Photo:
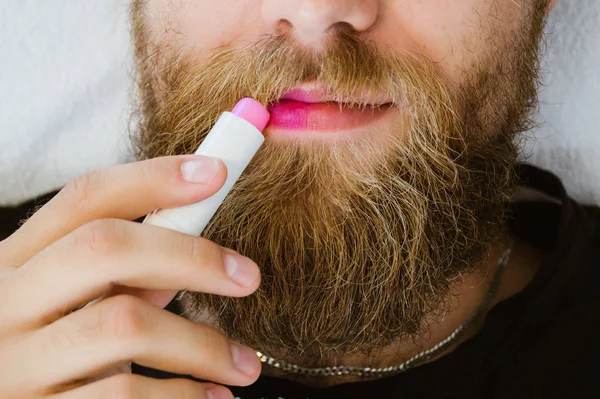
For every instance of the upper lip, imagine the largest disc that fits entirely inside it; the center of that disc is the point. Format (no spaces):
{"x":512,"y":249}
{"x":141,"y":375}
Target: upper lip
{"x":315,"y":93}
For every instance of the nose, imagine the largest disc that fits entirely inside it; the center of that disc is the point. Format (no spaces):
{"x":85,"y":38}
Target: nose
{"x":310,"y":21}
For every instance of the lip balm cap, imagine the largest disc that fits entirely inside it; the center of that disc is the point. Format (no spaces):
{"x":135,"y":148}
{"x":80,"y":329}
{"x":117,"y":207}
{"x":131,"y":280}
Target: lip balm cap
{"x":252,"y":111}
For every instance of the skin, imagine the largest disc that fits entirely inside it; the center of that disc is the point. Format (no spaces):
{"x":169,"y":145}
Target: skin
{"x":45,"y":347}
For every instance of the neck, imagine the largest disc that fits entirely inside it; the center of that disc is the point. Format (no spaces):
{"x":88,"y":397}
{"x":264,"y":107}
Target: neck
{"x":467,"y":293}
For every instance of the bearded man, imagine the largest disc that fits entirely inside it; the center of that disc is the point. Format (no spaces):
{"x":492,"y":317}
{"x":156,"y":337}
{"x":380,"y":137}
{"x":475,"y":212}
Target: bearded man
{"x":385,"y":240}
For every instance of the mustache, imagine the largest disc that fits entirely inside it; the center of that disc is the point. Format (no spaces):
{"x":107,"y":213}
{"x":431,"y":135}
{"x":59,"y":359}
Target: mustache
{"x":347,"y":67}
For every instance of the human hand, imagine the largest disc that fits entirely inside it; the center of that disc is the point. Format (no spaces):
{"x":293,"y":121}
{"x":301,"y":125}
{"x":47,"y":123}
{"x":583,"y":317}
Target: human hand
{"x":82,"y":246}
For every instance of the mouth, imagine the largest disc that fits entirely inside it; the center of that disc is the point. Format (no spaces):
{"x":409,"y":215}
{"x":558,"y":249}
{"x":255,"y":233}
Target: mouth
{"x":309,"y":111}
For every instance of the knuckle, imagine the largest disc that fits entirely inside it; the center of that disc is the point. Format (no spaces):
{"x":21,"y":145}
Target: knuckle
{"x":102,"y":236}
{"x":202,"y":252}
{"x":123,"y":317}
{"x":79,"y":190}
{"x":122,"y":386}
{"x":212,"y":343}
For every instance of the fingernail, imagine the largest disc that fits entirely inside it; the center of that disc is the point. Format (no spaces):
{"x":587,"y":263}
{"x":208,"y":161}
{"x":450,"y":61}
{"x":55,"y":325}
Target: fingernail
{"x":245,"y":359}
{"x":240,"y":269}
{"x":200,"y":170}
{"x":218,"y":393}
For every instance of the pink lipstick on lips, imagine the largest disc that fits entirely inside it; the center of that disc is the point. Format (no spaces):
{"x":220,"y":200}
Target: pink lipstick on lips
{"x":309,"y":108}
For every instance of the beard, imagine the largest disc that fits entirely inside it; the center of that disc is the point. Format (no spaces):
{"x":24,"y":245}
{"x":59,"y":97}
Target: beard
{"x":358,"y":240}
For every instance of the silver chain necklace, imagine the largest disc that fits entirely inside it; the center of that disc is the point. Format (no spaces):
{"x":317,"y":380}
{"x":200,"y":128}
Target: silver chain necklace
{"x":420,"y":358}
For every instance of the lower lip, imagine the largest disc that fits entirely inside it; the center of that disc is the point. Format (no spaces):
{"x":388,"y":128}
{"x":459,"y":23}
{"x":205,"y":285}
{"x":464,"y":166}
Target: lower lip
{"x":298,"y":116}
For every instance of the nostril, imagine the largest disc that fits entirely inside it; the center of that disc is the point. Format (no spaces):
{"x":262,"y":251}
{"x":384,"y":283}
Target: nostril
{"x":342,"y":28}
{"x":312,"y":21}
{"x":283,"y":27}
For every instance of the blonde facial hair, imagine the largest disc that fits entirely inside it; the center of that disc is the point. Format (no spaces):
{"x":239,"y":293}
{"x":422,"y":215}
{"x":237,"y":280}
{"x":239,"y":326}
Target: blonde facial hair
{"x":358,"y":239}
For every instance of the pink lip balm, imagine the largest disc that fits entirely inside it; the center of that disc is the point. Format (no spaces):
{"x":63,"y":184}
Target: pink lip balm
{"x":252,"y":111}
{"x":235,"y":139}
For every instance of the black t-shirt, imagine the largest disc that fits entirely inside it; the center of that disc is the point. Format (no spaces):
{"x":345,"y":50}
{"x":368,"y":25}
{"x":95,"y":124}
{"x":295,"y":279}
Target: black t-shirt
{"x":541,"y":343}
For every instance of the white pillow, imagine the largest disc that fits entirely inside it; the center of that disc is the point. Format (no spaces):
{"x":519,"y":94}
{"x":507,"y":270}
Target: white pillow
{"x":64,"y":87}
{"x":568,"y":143}
{"x":63,"y":92}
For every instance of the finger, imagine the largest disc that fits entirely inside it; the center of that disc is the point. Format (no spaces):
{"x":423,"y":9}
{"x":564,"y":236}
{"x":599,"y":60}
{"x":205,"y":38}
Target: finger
{"x":88,"y":262}
{"x":162,"y":298}
{"x":138,"y":387}
{"x":120,"y":329}
{"x":125,"y":191}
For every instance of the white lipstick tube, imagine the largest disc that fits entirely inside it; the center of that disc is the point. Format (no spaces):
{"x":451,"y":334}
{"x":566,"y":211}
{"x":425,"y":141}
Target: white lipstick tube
{"x":235,"y":141}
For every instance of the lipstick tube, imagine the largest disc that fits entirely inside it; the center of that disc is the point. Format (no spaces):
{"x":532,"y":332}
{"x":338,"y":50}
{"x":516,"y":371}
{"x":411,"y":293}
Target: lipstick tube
{"x":235,"y":139}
